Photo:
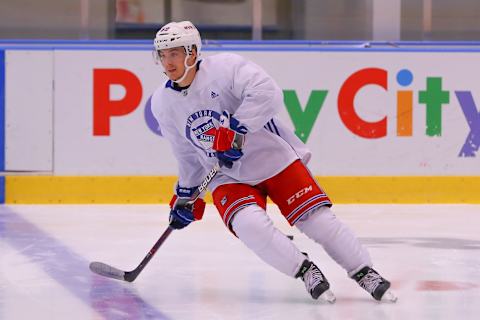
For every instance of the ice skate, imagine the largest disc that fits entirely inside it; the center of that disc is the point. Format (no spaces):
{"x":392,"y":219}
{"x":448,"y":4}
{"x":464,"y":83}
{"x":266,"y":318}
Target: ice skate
{"x":375,"y":284}
{"x":315,"y":282}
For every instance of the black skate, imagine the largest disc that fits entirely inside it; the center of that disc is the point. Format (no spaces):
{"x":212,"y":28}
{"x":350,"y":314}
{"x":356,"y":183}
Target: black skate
{"x":375,"y":284}
{"x":315,"y":282}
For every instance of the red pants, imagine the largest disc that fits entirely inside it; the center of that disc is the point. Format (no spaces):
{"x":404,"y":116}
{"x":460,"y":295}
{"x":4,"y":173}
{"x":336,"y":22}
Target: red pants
{"x":294,"y":190}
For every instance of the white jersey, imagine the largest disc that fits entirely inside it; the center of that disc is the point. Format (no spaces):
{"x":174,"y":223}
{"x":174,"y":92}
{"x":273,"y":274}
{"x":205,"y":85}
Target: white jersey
{"x":188,"y":118}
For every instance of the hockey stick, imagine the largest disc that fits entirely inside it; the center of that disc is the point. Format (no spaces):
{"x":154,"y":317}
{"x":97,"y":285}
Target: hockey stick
{"x":106,"y":270}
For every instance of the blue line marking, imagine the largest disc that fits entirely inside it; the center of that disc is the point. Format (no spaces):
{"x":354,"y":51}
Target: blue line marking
{"x":110,"y":298}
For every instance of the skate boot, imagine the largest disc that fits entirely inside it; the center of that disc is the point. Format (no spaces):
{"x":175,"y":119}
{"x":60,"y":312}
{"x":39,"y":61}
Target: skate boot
{"x":315,"y":282}
{"x":375,"y":284}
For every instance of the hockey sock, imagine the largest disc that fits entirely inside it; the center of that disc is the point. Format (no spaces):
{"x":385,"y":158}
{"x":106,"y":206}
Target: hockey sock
{"x":256,"y":230}
{"x":337,"y":239}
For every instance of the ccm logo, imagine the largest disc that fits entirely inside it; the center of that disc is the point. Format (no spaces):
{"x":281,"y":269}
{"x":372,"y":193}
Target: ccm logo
{"x":299,"y":194}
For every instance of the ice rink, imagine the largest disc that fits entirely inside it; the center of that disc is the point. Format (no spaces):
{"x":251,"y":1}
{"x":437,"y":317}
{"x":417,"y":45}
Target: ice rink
{"x":431,"y":253}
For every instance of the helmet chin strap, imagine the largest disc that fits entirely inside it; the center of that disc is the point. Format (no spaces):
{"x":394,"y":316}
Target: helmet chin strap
{"x":187,"y":68}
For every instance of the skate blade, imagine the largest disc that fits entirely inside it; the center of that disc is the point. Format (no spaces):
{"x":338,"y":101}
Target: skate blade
{"x":328,"y":296}
{"x":389,"y":297}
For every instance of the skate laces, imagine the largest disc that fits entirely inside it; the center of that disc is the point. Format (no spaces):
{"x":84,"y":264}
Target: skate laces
{"x":370,"y":281}
{"x":312,"y":277}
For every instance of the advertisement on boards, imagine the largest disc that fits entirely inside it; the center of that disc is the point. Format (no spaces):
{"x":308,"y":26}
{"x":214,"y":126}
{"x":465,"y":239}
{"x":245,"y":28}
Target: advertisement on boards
{"x":361,"y":113}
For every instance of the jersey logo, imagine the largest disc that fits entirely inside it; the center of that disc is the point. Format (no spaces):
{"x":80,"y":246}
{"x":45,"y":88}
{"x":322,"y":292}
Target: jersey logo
{"x":213,"y":95}
{"x":205,"y":133}
{"x":224,"y":200}
{"x":201,"y":128}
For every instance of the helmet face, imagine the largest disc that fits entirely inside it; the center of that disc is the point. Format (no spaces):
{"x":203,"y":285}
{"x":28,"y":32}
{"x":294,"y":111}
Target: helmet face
{"x":178,"y":34}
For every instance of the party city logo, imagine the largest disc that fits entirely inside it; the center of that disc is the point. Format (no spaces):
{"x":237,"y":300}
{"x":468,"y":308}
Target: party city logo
{"x":433,"y":96}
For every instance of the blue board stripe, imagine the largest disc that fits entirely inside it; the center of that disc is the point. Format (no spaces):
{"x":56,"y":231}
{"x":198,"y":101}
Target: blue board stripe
{"x":2,"y":190}
{"x":2,"y":124}
{"x":251,"y":45}
{"x":207,"y":42}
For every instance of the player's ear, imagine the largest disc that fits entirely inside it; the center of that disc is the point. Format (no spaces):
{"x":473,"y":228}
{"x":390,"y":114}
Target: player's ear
{"x":194,"y":51}
{"x":193,"y":58}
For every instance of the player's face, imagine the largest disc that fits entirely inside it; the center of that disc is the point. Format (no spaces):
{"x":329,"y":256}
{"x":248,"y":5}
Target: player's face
{"x":173,"y":61}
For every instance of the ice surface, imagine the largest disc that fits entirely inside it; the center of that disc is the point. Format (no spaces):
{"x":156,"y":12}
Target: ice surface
{"x":430,"y":253}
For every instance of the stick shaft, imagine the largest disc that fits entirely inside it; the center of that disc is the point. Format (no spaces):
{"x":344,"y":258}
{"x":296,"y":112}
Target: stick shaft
{"x":112,"y":272}
{"x":132,"y":275}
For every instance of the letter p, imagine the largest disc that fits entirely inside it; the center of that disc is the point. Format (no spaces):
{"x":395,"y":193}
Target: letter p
{"x":103,"y":107}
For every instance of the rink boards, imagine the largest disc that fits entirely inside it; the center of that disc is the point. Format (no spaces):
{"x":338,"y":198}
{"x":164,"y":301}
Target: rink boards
{"x":385,"y":124}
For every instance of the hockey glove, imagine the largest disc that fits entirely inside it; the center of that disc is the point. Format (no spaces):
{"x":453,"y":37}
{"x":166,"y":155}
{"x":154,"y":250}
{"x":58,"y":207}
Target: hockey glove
{"x":182,"y":215}
{"x":229,"y":140}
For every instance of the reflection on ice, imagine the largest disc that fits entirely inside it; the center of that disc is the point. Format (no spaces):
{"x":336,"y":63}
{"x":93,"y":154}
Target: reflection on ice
{"x":110,"y":299}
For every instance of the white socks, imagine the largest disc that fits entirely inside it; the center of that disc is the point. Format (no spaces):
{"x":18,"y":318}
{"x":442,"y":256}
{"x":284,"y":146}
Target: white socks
{"x":255,"y":229}
{"x":336,"y":238}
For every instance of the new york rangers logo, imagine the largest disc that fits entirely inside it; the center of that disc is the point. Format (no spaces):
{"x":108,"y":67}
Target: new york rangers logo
{"x":205,"y":133}
{"x":200,"y":130}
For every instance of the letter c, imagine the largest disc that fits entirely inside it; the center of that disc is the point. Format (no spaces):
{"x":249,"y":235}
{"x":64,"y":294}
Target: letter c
{"x":346,"y":108}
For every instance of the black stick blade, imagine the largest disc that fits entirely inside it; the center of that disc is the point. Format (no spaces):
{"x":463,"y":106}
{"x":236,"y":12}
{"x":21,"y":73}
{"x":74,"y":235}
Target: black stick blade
{"x":107,"y":271}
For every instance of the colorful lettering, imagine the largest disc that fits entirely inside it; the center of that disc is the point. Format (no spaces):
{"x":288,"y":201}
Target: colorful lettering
{"x":433,"y":98}
{"x":472,"y":143}
{"x":303,"y":120}
{"x":103,"y":107}
{"x":404,"y":104}
{"x":346,"y":107}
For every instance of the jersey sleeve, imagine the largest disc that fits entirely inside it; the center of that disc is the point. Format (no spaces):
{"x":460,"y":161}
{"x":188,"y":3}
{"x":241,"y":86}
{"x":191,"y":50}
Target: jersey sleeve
{"x":261,"y":97}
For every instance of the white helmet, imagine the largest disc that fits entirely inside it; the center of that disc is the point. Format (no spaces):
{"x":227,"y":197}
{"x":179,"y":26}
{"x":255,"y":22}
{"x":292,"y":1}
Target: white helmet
{"x":178,"y":34}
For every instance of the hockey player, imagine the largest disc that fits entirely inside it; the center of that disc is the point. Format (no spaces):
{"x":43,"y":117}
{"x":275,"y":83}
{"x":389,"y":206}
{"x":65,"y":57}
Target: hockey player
{"x":224,"y":109}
